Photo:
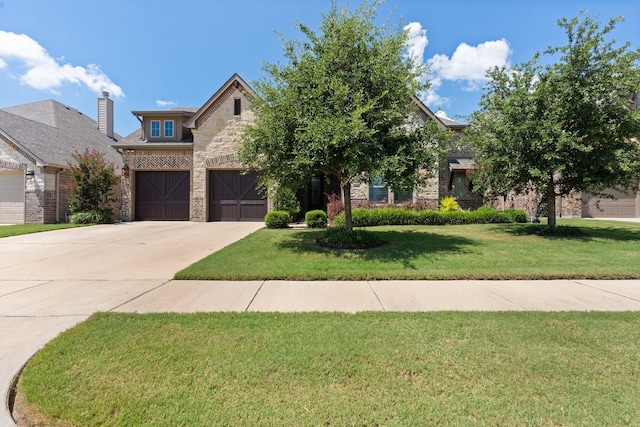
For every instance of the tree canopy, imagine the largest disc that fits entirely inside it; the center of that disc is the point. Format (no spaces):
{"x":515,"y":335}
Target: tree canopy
{"x":341,"y":105}
{"x":565,"y":126}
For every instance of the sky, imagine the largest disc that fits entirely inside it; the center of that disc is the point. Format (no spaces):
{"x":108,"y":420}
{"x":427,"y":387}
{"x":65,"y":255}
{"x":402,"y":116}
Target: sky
{"x":161,"y":54}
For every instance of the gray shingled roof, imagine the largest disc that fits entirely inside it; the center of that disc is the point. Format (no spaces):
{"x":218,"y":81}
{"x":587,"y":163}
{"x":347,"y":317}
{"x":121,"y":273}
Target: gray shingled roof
{"x":50,"y":132}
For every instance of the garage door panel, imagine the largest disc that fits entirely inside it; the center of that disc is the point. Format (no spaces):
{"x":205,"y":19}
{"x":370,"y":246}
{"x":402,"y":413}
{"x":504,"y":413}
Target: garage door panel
{"x":622,"y":205}
{"x":12,"y":198}
{"x":233,"y":197}
{"x":162,"y":195}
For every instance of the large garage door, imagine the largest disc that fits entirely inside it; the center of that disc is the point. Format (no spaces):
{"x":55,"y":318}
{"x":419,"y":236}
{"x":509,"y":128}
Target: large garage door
{"x":623,"y":205}
{"x":12,"y":197}
{"x":233,"y":197}
{"x":162,"y":196}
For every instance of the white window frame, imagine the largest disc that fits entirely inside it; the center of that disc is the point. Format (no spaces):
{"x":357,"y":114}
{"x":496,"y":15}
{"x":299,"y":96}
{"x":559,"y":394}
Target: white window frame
{"x":165,"y":129}
{"x":154,"y":135}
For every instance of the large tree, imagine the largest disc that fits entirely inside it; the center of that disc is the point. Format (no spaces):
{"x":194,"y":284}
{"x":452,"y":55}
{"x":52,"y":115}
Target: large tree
{"x":341,"y":105}
{"x":564,"y":126}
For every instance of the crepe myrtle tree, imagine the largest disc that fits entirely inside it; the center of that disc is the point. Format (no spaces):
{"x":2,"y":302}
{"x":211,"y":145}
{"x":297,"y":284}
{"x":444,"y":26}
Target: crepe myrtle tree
{"x":92,"y":181}
{"x":562,"y":127}
{"x":342,"y":105}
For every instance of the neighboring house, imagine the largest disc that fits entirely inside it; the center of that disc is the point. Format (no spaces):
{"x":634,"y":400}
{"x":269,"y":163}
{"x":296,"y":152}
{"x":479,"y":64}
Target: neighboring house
{"x":182,"y":165}
{"x":37,"y":143}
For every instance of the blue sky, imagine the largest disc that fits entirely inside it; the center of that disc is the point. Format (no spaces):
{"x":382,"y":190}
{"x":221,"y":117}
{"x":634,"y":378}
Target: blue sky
{"x":162,"y":54}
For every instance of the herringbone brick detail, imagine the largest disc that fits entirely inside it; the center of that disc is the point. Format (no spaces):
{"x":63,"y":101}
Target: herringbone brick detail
{"x":228,"y":161}
{"x":160,"y":160}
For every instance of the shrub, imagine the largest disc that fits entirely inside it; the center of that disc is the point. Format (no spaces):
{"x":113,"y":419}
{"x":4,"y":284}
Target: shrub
{"x":91,"y":217}
{"x":334,"y":207}
{"x":316,"y":219}
{"x":284,"y":199}
{"x":449,"y":204}
{"x":277,"y":219}
{"x":516,"y":215}
{"x":367,"y":217}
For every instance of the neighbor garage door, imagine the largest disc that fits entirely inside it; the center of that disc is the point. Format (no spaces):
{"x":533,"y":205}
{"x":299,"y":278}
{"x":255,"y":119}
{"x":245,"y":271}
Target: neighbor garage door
{"x":233,"y":197}
{"x":162,"y":196}
{"x":623,"y":205}
{"x":12,"y":197}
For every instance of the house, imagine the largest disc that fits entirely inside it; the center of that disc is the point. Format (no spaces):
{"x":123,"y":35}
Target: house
{"x":182,"y":165}
{"x":37,"y":143}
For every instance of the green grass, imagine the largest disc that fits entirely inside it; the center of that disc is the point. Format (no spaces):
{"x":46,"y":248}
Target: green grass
{"x":18,"y":229}
{"x":601,"y":249}
{"x":311,"y":369}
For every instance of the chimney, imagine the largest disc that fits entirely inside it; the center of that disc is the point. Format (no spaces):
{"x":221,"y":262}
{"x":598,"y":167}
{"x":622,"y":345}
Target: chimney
{"x":105,"y":115}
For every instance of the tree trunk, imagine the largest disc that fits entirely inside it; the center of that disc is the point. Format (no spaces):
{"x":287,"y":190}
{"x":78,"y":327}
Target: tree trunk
{"x":346,"y":197}
{"x":551,"y":203}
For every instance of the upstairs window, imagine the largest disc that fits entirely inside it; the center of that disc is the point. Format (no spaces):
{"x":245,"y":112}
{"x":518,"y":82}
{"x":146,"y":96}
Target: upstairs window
{"x":155,"y":128}
{"x":168,"y":128}
{"x":237,"y":106}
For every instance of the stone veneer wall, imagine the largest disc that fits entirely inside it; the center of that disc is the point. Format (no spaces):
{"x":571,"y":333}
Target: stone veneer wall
{"x":566,"y":207}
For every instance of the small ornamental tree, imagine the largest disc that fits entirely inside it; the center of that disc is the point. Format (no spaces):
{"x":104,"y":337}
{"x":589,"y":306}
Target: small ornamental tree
{"x":342,"y":105}
{"x":92,"y":181}
{"x":563,"y":127}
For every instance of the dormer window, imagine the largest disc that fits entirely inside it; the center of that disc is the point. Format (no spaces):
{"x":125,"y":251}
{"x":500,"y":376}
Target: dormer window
{"x":155,"y":128}
{"x":168,"y":128}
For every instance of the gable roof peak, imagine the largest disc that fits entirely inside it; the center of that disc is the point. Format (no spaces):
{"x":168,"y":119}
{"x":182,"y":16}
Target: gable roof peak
{"x":236,"y":82}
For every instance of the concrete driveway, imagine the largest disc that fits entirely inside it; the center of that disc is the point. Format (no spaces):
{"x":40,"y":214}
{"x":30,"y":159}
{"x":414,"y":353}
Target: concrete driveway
{"x":54,"y":280}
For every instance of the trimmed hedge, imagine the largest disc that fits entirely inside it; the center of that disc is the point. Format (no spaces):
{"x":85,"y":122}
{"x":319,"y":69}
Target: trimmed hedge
{"x":277,"y":219}
{"x":316,"y":219}
{"x":365,"y":217}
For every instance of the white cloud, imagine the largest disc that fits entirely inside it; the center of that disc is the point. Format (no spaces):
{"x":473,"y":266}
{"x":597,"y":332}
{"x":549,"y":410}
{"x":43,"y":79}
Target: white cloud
{"x":442,"y":113}
{"x":161,"y":103}
{"x":46,"y":73}
{"x":469,"y":64}
{"x":416,"y":41}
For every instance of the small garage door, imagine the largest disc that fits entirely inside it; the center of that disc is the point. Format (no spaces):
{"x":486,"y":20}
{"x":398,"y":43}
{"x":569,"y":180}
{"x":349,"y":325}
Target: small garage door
{"x":162,"y":196}
{"x":623,"y":205}
{"x":233,"y":197}
{"x":12,"y":198}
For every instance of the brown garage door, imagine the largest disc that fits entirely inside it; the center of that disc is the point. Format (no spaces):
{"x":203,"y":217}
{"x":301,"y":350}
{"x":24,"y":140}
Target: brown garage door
{"x":162,"y":196}
{"x":233,"y":197}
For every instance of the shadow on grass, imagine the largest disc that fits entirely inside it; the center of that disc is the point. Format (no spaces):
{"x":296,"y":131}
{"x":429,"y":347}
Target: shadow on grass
{"x":402,"y":246}
{"x":574,"y":232}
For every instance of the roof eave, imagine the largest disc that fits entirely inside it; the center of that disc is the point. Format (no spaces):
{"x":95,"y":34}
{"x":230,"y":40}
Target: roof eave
{"x":155,"y":146}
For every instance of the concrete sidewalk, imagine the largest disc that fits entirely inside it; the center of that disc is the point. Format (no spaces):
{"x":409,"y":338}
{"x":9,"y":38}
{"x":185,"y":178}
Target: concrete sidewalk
{"x":464,"y":295}
{"x":51,"y":281}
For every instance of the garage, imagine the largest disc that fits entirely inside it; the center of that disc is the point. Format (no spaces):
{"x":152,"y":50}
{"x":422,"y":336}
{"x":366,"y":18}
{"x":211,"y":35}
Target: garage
{"x":162,"y":196}
{"x":623,"y":205}
{"x":12,"y":197}
{"x":233,"y":197}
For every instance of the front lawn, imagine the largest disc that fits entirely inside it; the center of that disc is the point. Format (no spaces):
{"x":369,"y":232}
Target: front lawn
{"x":600,"y":249}
{"x":18,"y":229}
{"x":312,"y":369}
